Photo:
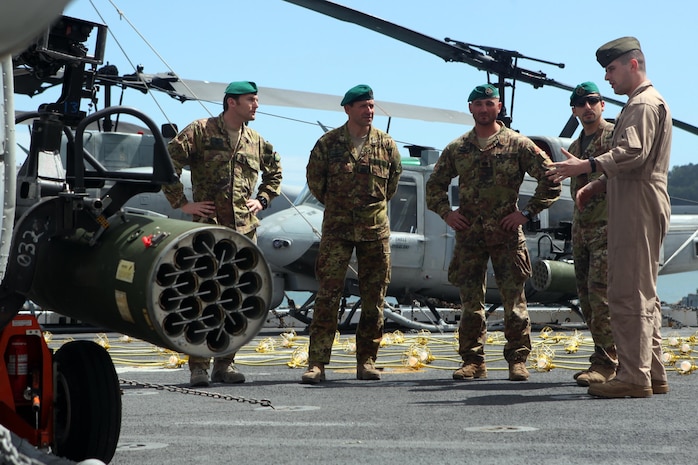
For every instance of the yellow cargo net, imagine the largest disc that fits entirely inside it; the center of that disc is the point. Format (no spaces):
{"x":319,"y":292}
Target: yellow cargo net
{"x":399,"y":352}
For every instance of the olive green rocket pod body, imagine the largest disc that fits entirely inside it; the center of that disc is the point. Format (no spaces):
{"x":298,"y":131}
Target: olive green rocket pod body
{"x":554,"y":276}
{"x":195,"y":288}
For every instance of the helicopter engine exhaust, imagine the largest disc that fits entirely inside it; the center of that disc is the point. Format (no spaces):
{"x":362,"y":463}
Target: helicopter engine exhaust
{"x":195,"y":288}
{"x":554,"y":276}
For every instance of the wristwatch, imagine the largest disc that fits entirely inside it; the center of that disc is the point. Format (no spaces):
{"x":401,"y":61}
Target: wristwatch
{"x":592,"y":163}
{"x":527,"y":214}
{"x":264,"y":202}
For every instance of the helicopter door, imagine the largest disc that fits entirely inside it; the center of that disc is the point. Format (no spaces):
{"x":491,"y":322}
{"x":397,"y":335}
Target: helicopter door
{"x":406,"y":229}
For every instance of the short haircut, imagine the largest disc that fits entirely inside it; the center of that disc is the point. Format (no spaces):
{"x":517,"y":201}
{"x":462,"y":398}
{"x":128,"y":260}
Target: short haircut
{"x":634,"y":54}
{"x":225,"y":100}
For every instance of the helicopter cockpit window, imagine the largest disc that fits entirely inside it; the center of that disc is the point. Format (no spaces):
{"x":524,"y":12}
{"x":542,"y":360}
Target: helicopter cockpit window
{"x":560,"y":212}
{"x":117,"y":151}
{"x":307,"y":198}
{"x":403,"y":207}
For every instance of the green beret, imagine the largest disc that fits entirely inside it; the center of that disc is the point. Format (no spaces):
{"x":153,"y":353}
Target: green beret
{"x":241,"y":88}
{"x":615,"y":48}
{"x":582,"y":90}
{"x":483,"y":91}
{"x":357,"y":94}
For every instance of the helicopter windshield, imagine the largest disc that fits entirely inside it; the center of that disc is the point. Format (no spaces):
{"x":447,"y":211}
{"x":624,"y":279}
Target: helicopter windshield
{"x":307,"y":198}
{"x":403,"y":206}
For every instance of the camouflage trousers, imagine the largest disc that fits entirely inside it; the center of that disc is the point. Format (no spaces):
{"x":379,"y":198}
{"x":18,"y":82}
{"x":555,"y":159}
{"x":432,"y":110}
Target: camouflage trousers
{"x":374,"y":275}
{"x":205,"y":362}
{"x":590,"y":251}
{"x":512,"y":266}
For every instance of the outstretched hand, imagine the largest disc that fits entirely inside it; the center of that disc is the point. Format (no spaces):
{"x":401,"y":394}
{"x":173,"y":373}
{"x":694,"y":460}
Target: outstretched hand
{"x":573,"y":166}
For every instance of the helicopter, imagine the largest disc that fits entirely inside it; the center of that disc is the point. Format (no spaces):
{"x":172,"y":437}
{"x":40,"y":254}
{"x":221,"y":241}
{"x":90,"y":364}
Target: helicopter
{"x":116,"y":148}
{"x":82,"y":215}
{"x":141,"y":271}
{"x":69,"y":245}
{"x":421,"y":243}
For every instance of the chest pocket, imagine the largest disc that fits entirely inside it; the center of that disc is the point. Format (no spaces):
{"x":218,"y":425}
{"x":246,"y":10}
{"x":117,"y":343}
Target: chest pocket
{"x":506,"y":170}
{"x":378,"y":182}
{"x":216,"y":149}
{"x":469,"y":169}
{"x":339,"y":165}
{"x":250,"y":162}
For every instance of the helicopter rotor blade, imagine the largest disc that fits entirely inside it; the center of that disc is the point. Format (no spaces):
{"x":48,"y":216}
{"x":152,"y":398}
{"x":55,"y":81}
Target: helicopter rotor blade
{"x":189,"y":89}
{"x":494,"y":60}
{"x":444,"y":50}
{"x":207,"y":91}
{"x":570,"y":127}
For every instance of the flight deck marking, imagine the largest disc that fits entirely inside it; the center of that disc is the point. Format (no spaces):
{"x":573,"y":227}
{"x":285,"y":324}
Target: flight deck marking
{"x":500,"y":429}
{"x":138,"y":446}
{"x":289,"y":408}
{"x":583,"y":396}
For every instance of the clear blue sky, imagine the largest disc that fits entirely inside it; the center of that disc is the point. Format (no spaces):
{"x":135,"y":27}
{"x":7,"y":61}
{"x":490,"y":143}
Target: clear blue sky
{"x":281,"y":45}
{"x":278,"y":44}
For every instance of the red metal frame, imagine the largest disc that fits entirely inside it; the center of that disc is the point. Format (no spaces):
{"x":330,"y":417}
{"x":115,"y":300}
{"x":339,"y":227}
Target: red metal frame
{"x":31,"y":419}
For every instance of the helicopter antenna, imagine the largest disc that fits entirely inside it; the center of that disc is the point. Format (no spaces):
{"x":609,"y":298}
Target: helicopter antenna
{"x":513,"y":92}
{"x":505,"y":65}
{"x":138,"y":69}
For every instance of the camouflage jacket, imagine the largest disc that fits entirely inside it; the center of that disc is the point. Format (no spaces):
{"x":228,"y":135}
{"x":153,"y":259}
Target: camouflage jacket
{"x":595,"y":213}
{"x":489,"y":181}
{"x":218,"y":174}
{"x":354,"y":187}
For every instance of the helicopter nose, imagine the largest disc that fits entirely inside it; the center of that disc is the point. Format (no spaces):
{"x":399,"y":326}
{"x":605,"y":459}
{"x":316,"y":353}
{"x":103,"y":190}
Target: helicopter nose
{"x":285,"y":237}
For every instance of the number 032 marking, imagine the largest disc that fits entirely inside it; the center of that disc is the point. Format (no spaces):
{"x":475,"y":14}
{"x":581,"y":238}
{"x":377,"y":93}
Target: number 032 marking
{"x":26,"y":250}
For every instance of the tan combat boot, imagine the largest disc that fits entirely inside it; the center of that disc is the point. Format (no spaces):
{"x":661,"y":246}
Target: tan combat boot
{"x":224,"y":371}
{"x":198,"y":377}
{"x":367,"y":371}
{"x":659,"y":386}
{"x":617,"y":389}
{"x":597,"y":373}
{"x":518,"y":371}
{"x":314,"y":374}
{"x":198,"y":367}
{"x":470,"y":370}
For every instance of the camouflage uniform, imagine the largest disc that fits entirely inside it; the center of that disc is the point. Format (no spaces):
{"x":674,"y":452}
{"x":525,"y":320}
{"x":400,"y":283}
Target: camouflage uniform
{"x":590,"y":251}
{"x":226,"y":177}
{"x":489,"y":181}
{"x":219,"y":175}
{"x":355,"y":189}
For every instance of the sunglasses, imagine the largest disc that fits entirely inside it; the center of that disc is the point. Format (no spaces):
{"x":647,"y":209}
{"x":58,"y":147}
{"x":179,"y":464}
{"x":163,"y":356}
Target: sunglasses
{"x":581,"y":103}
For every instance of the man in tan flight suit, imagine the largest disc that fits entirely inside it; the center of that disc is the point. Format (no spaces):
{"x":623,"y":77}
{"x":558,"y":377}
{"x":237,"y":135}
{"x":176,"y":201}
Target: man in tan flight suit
{"x":635,"y":179}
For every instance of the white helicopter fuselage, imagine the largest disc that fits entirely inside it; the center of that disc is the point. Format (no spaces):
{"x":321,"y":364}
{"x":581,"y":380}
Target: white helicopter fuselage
{"x":422,"y":244}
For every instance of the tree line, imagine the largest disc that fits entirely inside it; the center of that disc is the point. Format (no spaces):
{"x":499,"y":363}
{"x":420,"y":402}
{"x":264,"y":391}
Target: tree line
{"x":683,"y":184}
